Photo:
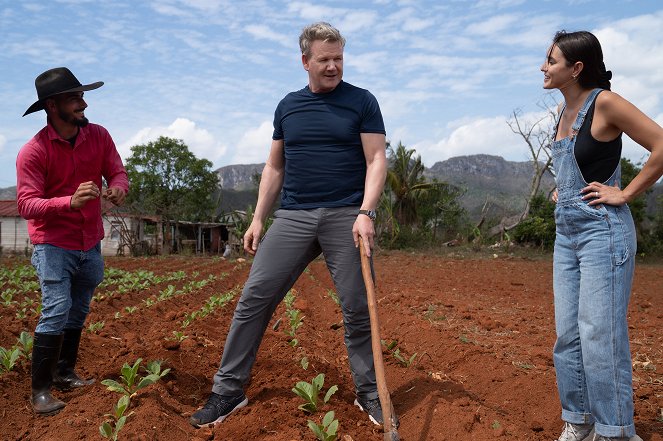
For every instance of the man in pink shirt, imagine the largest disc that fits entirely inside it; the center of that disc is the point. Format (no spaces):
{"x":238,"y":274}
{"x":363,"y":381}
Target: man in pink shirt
{"x":58,"y":190}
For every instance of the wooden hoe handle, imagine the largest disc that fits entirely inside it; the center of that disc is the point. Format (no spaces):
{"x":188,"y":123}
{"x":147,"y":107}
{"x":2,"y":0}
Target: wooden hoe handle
{"x":390,"y":433}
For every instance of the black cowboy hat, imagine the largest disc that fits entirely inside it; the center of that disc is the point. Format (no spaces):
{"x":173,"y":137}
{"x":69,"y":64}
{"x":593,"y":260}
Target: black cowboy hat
{"x":56,"y":81}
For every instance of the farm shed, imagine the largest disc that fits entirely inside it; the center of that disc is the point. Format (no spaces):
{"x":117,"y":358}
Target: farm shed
{"x":14,"y":238}
{"x":13,"y":230}
{"x":200,"y":237}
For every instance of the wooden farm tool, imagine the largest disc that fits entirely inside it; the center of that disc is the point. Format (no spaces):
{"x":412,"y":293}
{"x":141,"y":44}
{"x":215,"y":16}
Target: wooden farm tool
{"x":389,"y":426}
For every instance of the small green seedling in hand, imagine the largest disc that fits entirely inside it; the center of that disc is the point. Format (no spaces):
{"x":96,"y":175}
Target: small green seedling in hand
{"x":310,"y":392}
{"x":327,"y":430}
{"x":110,"y":429}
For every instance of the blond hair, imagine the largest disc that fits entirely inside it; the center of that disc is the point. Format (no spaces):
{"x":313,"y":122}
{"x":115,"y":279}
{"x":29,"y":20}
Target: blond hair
{"x":318,"y":31}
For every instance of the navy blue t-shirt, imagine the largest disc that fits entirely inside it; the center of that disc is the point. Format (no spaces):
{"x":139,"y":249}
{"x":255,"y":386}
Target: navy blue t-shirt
{"x":324,"y":159}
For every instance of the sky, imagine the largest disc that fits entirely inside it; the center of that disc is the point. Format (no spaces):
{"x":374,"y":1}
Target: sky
{"x":448,"y":74}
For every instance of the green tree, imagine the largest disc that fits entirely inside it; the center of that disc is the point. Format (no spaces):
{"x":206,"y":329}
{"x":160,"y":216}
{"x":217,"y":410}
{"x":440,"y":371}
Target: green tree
{"x":407,"y":184}
{"x":538,"y":228}
{"x":440,"y":209}
{"x":638,"y":206}
{"x":412,"y":210}
{"x":169,"y":181}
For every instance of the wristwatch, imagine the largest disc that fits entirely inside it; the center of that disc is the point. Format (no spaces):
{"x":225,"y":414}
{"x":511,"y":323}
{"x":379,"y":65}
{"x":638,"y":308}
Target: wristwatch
{"x":370,"y":213}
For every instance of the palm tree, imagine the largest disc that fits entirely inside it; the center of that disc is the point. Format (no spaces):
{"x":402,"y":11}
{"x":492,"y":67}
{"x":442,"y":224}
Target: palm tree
{"x":407,"y":183}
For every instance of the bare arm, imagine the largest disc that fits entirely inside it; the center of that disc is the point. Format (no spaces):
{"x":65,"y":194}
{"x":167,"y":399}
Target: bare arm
{"x":271,"y":182}
{"x":615,"y":114}
{"x":376,"y":172}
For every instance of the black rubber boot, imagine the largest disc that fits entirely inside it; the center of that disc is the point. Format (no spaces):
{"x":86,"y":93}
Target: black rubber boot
{"x":45,"y":354}
{"x":65,"y":378}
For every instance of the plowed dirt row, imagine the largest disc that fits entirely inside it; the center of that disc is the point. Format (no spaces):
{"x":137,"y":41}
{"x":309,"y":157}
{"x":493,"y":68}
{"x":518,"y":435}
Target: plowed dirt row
{"x":482,"y":330}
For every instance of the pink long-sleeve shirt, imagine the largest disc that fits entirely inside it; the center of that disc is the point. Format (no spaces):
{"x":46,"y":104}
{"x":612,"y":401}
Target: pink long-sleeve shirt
{"x":48,"y":172}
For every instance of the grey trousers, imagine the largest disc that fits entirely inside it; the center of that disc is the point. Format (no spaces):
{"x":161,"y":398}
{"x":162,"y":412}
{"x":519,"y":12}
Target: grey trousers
{"x":295,"y":238}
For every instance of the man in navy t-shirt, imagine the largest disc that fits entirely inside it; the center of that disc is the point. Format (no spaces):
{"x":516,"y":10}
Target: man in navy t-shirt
{"x":328,"y":161}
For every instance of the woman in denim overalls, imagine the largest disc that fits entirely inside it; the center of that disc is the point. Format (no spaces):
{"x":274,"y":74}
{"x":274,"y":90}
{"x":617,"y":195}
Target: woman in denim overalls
{"x":595,"y":244}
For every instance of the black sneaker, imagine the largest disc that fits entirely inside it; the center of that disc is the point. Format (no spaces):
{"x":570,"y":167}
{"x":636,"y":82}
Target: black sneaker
{"x":374,"y":410}
{"x":217,"y":408}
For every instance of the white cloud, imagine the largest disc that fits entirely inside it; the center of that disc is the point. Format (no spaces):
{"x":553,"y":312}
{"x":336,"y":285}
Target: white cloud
{"x":200,"y":142}
{"x":497,"y":24}
{"x":3,"y":141}
{"x":633,"y":50}
{"x":265,"y":33}
{"x":253,"y":147}
{"x":490,"y":136}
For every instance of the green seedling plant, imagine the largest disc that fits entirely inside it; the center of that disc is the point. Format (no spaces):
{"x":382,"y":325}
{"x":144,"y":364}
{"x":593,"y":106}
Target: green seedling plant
{"x":8,"y":297}
{"x":178,"y":336}
{"x":37,"y":310}
{"x":395,"y":352}
{"x":27,"y":302}
{"x":296,"y":320}
{"x":95,"y":327}
{"x":310,"y":392}
{"x":110,"y":429}
{"x":289,"y":299}
{"x":327,"y":431}
{"x":215,"y":301}
{"x":8,"y":358}
{"x":25,"y":343}
{"x":332,"y":295}
{"x":132,"y":382}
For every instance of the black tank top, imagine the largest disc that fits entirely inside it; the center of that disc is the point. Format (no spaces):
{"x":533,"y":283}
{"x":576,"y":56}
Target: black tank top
{"x":597,"y":160}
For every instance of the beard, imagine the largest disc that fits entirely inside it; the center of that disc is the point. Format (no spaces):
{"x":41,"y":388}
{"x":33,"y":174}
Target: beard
{"x":70,"y":118}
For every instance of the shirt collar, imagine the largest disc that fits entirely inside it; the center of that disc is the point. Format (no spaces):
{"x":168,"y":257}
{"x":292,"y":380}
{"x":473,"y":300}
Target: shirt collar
{"x":54,"y":135}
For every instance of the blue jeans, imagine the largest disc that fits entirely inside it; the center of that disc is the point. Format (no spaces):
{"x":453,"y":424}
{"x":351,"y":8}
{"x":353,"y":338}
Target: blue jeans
{"x":592,"y":275}
{"x":68,"y":280}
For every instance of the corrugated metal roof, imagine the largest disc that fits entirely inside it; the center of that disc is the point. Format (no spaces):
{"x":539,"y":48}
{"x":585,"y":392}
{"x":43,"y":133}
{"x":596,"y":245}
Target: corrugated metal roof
{"x":9,"y":209}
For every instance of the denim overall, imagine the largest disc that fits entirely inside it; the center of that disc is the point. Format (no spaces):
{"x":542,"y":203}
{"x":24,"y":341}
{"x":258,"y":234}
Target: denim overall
{"x":592,"y":274}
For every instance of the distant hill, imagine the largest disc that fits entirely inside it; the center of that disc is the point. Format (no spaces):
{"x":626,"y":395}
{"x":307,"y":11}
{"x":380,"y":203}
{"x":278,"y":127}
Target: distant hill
{"x":503,"y":184}
{"x":239,"y":177}
{"x":8,"y":194}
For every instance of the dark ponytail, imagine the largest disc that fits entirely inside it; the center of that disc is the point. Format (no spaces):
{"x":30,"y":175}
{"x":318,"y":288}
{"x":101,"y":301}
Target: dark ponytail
{"x":585,"y":47}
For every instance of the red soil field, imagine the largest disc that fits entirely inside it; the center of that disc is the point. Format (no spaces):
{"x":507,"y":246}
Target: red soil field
{"x":481,"y":327}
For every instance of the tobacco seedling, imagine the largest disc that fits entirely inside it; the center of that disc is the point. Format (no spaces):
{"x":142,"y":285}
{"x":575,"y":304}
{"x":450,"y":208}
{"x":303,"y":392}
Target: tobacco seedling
{"x":296,"y":319}
{"x":178,"y":336}
{"x":111,"y":428}
{"x":95,"y":327}
{"x":310,"y":393}
{"x":36,"y":311}
{"x":289,"y":299}
{"x":8,"y":297}
{"x":132,"y":383}
{"x":327,"y":430}
{"x":332,"y":295}
{"x":25,"y":341}
{"x":8,"y":358}
{"x":396,"y":353}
